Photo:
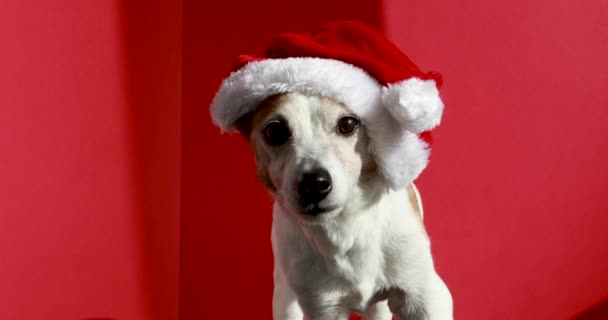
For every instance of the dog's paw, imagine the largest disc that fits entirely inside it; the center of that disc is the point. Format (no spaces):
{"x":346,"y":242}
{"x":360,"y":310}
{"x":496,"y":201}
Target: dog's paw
{"x":406,"y":307}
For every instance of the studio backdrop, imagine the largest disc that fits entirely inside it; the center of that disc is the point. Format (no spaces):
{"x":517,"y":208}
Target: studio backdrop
{"x":120,"y":200}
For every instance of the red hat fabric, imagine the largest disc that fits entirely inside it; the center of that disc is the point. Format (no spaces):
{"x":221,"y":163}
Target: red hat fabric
{"x":351,"y":42}
{"x":357,"y":66}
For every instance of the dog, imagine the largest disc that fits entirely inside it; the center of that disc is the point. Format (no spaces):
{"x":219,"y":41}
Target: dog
{"x":343,"y":241}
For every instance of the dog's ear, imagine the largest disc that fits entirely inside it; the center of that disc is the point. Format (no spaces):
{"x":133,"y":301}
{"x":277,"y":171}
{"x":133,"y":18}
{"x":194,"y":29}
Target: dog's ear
{"x":243,"y":125}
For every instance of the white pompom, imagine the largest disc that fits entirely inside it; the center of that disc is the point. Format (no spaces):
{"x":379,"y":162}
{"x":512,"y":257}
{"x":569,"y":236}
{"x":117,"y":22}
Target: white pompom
{"x":414,"y":103}
{"x":400,"y":154}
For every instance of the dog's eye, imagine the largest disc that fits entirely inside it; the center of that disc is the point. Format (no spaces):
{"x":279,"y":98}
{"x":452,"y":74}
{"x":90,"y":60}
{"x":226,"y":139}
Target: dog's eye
{"x":348,"y":125}
{"x":276,"y":133}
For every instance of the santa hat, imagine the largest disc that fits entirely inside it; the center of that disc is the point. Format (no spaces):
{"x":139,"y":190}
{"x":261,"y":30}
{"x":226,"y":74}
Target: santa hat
{"x":357,"y":66}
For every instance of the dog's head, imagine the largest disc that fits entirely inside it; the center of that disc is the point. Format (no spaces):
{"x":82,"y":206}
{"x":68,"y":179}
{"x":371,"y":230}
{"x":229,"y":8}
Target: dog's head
{"x":311,"y":153}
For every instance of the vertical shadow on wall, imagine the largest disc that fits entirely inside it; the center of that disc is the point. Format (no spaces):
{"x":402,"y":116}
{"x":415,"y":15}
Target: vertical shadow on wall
{"x":225,"y":255}
{"x":151,"y":33}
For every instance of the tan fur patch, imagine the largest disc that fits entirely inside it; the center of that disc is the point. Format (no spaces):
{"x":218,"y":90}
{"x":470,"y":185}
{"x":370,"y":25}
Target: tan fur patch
{"x":265,"y":108}
{"x":413,"y":199}
{"x":411,"y":193}
{"x":254,"y":122}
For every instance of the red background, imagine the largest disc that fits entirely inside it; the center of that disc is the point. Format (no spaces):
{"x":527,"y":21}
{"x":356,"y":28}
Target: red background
{"x":89,"y":159}
{"x":113,"y":207}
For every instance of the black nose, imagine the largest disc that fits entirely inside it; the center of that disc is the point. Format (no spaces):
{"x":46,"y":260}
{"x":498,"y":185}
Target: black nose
{"x":314,"y":186}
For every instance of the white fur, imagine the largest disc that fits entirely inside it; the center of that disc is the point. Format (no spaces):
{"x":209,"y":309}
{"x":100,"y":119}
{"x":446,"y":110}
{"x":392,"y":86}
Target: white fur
{"x":415,"y":103}
{"x":245,"y":88}
{"x":368,"y":253}
{"x":393,"y":115}
{"x":331,"y":269}
{"x":403,"y":155}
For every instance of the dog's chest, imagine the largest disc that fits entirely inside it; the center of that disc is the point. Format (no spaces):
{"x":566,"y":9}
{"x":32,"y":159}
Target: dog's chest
{"x":341,"y":268}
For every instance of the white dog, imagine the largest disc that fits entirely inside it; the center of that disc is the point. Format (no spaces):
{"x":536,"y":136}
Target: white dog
{"x":343,"y":241}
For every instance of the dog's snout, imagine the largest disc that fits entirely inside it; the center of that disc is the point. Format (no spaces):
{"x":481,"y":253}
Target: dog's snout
{"x":314,"y":185}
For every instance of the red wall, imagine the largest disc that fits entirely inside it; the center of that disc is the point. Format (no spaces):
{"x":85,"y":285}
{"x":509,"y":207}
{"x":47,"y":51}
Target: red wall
{"x":89,"y":160}
{"x":90,"y":164}
{"x":516,"y":191}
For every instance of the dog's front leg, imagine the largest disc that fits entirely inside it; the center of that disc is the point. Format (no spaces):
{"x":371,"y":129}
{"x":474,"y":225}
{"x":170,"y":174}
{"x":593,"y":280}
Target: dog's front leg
{"x":378,"y":311}
{"x":406,"y":306}
{"x":329,"y":316}
{"x":432,"y":303}
{"x":284,"y":303}
{"x":319,"y":306}
{"x":325,"y":313}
